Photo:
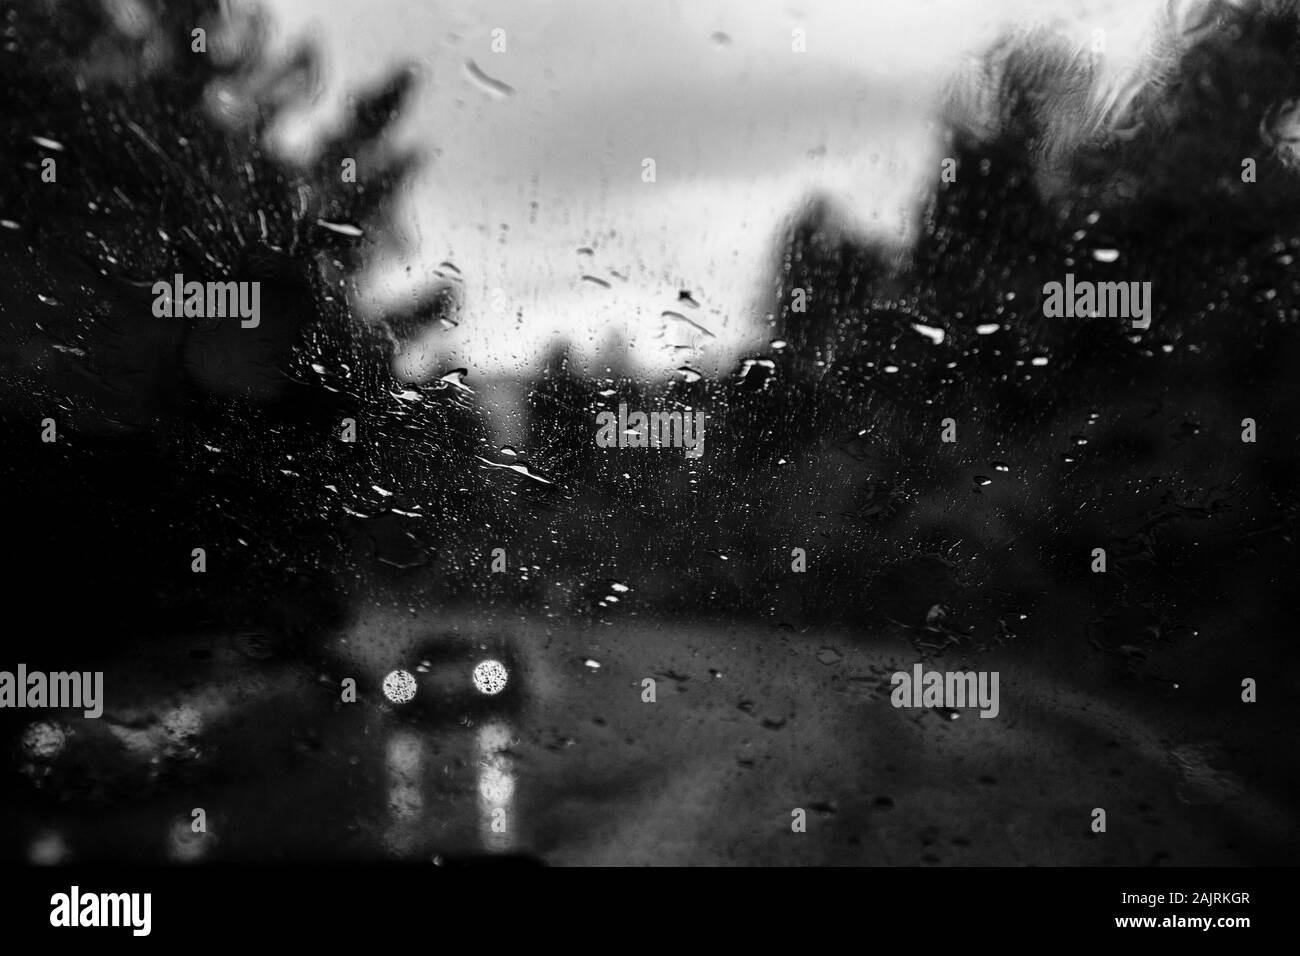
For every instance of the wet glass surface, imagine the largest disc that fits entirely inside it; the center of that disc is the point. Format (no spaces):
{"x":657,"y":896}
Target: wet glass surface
{"x":622,"y":655}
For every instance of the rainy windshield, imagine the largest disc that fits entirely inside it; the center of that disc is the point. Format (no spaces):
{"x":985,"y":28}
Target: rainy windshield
{"x":595,"y":434}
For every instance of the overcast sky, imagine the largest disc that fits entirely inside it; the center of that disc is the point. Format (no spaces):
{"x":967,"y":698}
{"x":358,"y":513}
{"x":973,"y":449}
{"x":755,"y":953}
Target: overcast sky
{"x":743,"y":131}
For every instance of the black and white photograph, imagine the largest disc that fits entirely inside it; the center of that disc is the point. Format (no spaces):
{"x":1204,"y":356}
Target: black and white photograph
{"x":449,"y":441}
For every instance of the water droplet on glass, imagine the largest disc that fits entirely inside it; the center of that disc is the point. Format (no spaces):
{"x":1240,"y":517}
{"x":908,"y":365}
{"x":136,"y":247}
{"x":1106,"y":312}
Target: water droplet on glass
{"x":518,"y":470}
{"x":342,"y":228}
{"x":670,"y":315}
{"x":399,"y":686}
{"x":490,"y":677}
{"x":456,"y":379}
{"x":935,"y":335}
{"x":487,"y":83}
